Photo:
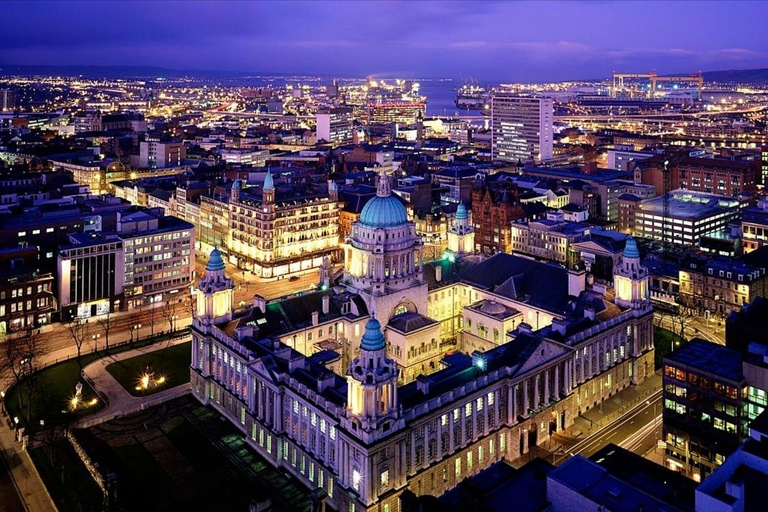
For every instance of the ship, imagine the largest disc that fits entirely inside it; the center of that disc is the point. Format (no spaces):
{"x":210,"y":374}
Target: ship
{"x":473,"y":96}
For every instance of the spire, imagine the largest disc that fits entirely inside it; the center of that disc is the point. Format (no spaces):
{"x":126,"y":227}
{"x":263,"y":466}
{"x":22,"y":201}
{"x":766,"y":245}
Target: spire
{"x":630,"y":249}
{"x":269,"y":183}
{"x":384,"y":188}
{"x":461,"y":212}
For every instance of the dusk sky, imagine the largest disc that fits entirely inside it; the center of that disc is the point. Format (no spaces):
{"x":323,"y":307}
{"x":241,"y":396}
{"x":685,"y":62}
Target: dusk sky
{"x":505,"y":41}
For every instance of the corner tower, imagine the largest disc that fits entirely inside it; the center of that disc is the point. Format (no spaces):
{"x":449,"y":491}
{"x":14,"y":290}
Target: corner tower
{"x":216,"y":292}
{"x":372,"y":407}
{"x":461,"y":235}
{"x":630,"y":279}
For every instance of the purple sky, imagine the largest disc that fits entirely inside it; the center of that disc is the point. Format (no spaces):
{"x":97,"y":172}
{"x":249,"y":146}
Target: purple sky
{"x":507,"y":41}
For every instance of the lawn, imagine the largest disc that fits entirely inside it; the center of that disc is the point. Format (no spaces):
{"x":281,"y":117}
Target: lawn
{"x":180,"y":455}
{"x":54,"y":389}
{"x":56,"y":386}
{"x":665,"y":342}
{"x":170,"y":363}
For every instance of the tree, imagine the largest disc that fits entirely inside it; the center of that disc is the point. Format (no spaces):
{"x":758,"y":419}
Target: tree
{"x":107,"y":322}
{"x":134,"y":323}
{"x":170,"y":308}
{"x":21,"y":354}
{"x":151,"y":318}
{"x":78,"y":329}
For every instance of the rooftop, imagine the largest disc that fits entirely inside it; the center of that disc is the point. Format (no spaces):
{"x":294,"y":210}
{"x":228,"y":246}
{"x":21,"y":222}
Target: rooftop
{"x":709,"y":357}
{"x":690,"y":205}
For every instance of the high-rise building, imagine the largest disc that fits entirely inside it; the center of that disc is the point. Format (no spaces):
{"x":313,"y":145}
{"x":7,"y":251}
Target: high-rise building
{"x":335,"y":125}
{"x":521,"y":127}
{"x":7,"y":100}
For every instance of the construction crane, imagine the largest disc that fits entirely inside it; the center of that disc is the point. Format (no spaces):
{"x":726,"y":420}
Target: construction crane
{"x":653,"y":78}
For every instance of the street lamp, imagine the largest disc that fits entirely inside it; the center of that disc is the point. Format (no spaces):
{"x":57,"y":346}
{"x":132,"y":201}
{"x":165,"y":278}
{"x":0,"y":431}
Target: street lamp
{"x":95,"y":339}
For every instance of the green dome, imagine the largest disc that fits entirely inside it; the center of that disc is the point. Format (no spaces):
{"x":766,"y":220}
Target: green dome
{"x":461,"y":212}
{"x":216,"y":262}
{"x":630,"y":249}
{"x":382,"y":212}
{"x":373,"y":338}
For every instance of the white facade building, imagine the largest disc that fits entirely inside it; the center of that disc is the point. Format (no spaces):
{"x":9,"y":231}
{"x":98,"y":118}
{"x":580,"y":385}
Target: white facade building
{"x":521,"y":128}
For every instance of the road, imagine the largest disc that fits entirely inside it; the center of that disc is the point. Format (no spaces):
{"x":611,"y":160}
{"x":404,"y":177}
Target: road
{"x":147,"y":320}
{"x":695,"y":327}
{"x":637,"y":430}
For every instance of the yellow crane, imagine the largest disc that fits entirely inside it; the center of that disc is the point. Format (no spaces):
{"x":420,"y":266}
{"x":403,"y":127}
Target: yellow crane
{"x":653,"y":78}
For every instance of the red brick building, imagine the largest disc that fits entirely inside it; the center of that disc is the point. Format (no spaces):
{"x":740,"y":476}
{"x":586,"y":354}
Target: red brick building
{"x":493,"y":210}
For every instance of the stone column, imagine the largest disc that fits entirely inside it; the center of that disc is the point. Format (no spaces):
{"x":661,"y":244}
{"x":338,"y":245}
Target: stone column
{"x":526,"y":398}
{"x":536,"y":394}
{"x":513,"y":405}
{"x":546,"y":386}
{"x":558,"y":392}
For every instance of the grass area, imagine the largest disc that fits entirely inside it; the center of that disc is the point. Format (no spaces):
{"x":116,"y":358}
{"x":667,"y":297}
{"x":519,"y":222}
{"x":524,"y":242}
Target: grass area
{"x":664,"y":341}
{"x":66,"y":477}
{"x":55,"y":386}
{"x":180,"y":455}
{"x":172,"y":363}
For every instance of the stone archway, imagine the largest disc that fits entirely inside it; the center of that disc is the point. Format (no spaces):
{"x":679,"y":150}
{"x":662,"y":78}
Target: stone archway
{"x":404,"y":306}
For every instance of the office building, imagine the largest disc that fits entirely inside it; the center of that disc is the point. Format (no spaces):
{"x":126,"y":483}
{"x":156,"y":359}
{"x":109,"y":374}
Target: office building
{"x":159,"y":256}
{"x":90,"y":274}
{"x":159,"y":154}
{"x":704,"y":419}
{"x":7,"y":100}
{"x":521,"y":128}
{"x":367,"y":437}
{"x":549,"y":239}
{"x":494,"y":207}
{"x":26,"y":294}
{"x":399,"y":112}
{"x":738,"y":485}
{"x":334,"y":125}
{"x":692,"y":215}
{"x":754,"y":226}
{"x":715,"y":286}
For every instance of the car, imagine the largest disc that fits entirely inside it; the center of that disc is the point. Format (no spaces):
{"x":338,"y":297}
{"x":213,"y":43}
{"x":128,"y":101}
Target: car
{"x":293,"y":278}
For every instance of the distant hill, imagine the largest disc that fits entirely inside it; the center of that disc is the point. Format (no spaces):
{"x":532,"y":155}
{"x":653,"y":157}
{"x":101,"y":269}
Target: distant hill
{"x":741,"y":76}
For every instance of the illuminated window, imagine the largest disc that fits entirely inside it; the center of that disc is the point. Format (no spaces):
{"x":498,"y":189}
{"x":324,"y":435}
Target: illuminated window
{"x":458,"y":467}
{"x":385,"y":478}
{"x":356,"y":480}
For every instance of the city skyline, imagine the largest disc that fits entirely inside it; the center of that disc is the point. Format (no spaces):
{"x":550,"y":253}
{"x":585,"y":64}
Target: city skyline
{"x":555,"y":41}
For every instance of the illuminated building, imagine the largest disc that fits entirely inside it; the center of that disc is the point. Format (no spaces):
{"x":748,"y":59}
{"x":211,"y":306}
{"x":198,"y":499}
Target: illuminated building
{"x":7,"y":100}
{"x":521,"y":128}
{"x":157,"y":154}
{"x":91,"y":271}
{"x":335,"y":125}
{"x":401,"y":112}
{"x":159,"y":256}
{"x":754,"y":226}
{"x":26,"y":298}
{"x":691,"y":216}
{"x":549,"y":239}
{"x":277,"y":231}
{"x":362,"y":439}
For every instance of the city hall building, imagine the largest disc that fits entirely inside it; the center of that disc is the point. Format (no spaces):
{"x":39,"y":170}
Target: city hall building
{"x":350,"y":390}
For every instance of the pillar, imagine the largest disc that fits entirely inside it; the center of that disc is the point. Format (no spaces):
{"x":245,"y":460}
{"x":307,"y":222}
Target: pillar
{"x":546,"y":387}
{"x":526,"y":398}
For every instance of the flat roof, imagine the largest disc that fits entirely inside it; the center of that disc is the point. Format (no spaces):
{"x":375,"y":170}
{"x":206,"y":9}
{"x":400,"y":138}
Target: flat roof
{"x":689,"y":205}
{"x":709,"y":357}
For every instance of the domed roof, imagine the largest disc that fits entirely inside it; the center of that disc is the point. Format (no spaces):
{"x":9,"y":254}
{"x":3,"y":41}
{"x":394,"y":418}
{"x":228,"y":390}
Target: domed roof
{"x":630,"y":250}
{"x":373,"y":338}
{"x":216,"y":262}
{"x":493,"y":308}
{"x":381,"y":212}
{"x":461,"y":212}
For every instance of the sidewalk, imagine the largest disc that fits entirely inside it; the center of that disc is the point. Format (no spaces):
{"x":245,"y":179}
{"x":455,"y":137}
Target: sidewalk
{"x":120,"y":402}
{"x":29,"y":485}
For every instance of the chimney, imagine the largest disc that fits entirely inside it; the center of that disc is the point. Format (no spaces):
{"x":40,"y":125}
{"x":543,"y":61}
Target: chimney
{"x":577,"y":282}
{"x":525,"y":328}
{"x":589,"y":313}
{"x":260,"y":303}
{"x":325,"y":381}
{"x":326,"y":304}
{"x":315,"y":317}
{"x":558,"y":325}
{"x":438,"y":273}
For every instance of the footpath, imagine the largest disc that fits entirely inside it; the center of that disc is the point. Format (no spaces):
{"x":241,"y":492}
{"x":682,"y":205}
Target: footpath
{"x":25,"y":477}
